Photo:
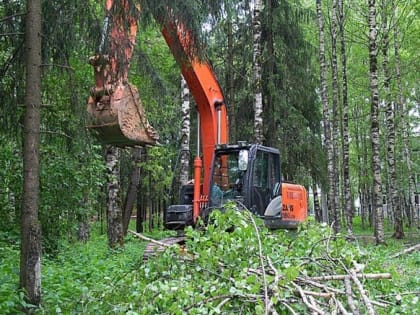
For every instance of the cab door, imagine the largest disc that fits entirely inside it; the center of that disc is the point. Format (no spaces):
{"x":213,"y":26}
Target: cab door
{"x":264,"y":179}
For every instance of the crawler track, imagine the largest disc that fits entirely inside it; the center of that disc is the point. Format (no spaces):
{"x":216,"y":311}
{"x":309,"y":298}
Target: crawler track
{"x":156,"y":247}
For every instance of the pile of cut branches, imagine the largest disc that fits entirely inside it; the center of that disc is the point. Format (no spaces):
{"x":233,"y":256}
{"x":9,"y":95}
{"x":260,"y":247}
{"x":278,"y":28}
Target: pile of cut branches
{"x":251,"y":270}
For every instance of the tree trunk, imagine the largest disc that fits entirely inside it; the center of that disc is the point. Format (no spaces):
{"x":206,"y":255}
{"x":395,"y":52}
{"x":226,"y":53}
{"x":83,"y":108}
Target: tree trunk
{"x":317,"y":207}
{"x":404,"y":120}
{"x":392,"y":205}
{"x":376,"y":158}
{"x":271,"y":138}
{"x":348,"y":206}
{"x":230,"y":82}
{"x":133,"y":187}
{"x":358,"y":136}
{"x":185,"y":134}
{"x":326,"y":115}
{"x":150,"y":202}
{"x":83,"y":231}
{"x":114,"y":212}
{"x":140,"y":209}
{"x":257,"y":72}
{"x":334,"y":130}
{"x":30,"y":259}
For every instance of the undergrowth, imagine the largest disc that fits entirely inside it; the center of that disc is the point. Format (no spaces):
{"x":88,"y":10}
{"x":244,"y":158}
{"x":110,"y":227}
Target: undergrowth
{"x":218,"y":272}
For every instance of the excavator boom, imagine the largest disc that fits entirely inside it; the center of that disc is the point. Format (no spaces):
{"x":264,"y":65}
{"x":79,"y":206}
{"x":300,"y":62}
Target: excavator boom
{"x":207,"y":93}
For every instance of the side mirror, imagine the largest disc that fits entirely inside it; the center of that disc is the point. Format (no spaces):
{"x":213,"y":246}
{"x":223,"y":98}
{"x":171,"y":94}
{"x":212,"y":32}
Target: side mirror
{"x":243,"y":160}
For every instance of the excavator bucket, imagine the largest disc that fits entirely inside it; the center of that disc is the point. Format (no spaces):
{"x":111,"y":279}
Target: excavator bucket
{"x":116,"y":115}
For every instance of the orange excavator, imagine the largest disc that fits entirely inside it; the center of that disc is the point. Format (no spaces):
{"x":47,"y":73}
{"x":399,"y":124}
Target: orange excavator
{"x":246,"y":174}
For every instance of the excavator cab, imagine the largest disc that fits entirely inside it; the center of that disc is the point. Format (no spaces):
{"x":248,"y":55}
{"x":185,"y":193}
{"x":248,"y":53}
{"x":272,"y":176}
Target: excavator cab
{"x":249,"y":175}
{"x":246,"y":174}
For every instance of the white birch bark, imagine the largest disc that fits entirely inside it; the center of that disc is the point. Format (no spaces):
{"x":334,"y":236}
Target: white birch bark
{"x":374,"y":116}
{"x":326,"y":114}
{"x":113,"y":188}
{"x":348,"y":206}
{"x":404,"y":118}
{"x":393,"y":205}
{"x":334,"y":131}
{"x":185,"y":133}
{"x":257,"y":72}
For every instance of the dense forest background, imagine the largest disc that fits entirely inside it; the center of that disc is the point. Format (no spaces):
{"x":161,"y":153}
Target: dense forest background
{"x":340,"y":97}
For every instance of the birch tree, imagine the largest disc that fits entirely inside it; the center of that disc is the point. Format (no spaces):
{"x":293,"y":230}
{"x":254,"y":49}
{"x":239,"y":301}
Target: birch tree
{"x":374,"y":117}
{"x":334,"y":191}
{"x":348,"y":207}
{"x":257,"y":71}
{"x":402,"y":111}
{"x":230,"y":80}
{"x":326,"y":113}
{"x":393,"y":205}
{"x":185,"y":133}
{"x":114,"y":211}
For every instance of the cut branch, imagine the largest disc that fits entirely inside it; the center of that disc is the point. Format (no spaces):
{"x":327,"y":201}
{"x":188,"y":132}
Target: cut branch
{"x":365,"y":298}
{"x":407,"y":251}
{"x":260,"y":252}
{"x":148,"y":239}
{"x":306,"y":301}
{"x":359,"y":276}
{"x":349,"y":294}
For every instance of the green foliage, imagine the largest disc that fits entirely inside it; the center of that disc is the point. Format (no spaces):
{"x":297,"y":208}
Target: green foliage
{"x":90,"y":279}
{"x":69,"y":190}
{"x":10,"y":184}
{"x":10,"y":298}
{"x":83,"y":270}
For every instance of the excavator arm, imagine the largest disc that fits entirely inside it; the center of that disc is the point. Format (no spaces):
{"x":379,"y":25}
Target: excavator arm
{"x":115,"y":113}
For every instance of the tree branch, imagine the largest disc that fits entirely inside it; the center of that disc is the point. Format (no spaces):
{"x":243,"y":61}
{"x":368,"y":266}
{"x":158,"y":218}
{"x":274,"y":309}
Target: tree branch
{"x":11,"y":34}
{"x":6,"y":18}
{"x":260,"y":252}
{"x":358,"y":275}
{"x":151,"y":240}
{"x":407,"y":251}
{"x":362,"y":291}
{"x":57,"y":65}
